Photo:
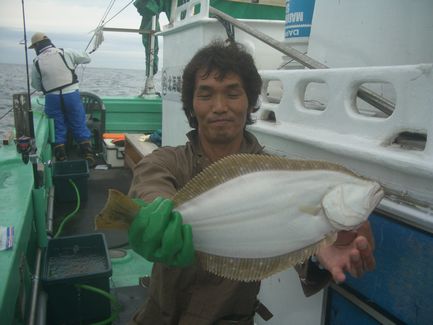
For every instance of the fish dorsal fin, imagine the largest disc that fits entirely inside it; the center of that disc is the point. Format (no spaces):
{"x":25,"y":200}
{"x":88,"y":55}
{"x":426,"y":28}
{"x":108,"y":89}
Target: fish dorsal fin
{"x":257,"y":269}
{"x":236,"y":165}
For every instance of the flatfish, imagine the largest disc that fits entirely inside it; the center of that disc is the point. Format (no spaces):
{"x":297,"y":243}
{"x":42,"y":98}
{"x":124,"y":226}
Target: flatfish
{"x":255,"y":215}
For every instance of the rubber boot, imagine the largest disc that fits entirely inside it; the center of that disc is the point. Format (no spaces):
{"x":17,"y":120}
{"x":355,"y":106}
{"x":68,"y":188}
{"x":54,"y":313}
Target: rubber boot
{"x":87,"y":153}
{"x":60,"y":152}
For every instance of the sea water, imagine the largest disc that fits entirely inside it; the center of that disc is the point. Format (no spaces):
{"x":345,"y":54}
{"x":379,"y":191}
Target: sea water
{"x":100,"y":81}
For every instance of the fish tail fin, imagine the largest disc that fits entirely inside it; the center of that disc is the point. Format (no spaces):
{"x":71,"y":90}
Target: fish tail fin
{"x":118,"y":212}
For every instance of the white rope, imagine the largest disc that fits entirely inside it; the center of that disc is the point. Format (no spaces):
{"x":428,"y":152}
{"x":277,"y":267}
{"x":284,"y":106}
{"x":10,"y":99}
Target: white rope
{"x":98,"y":36}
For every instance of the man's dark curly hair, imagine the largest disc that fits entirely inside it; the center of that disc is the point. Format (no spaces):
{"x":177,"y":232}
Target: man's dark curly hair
{"x":224,"y":58}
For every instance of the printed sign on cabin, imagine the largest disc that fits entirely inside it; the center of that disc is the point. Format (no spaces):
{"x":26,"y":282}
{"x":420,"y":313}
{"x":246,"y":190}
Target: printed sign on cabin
{"x":299,"y":15}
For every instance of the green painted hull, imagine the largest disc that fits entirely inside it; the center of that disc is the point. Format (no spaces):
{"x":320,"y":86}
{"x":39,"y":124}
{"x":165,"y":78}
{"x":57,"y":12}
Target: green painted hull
{"x":133,"y":114}
{"x":17,"y":210}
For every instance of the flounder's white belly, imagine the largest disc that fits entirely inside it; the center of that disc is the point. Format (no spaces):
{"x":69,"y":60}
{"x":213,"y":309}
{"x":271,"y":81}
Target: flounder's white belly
{"x":262,"y":214}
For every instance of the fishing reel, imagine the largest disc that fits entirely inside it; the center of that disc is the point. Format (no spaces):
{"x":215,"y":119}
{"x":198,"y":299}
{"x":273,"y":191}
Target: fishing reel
{"x":26,"y":146}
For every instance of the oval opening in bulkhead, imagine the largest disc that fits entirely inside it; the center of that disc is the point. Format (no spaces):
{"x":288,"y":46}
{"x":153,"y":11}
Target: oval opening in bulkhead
{"x":197,"y":9}
{"x":182,"y":15}
{"x":316,"y":96}
{"x":268,"y":116}
{"x":409,"y":140}
{"x":366,"y":105}
{"x":273,"y":91}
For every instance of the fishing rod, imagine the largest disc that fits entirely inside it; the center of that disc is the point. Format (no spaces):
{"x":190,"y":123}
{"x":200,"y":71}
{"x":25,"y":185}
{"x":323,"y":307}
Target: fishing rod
{"x":26,"y":144}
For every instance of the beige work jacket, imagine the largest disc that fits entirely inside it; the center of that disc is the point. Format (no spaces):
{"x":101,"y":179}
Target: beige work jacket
{"x":191,"y":296}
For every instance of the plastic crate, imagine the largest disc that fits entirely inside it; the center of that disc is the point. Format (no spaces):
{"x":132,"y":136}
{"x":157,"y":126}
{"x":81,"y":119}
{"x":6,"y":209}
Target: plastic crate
{"x":68,"y":263}
{"x":75,"y":170}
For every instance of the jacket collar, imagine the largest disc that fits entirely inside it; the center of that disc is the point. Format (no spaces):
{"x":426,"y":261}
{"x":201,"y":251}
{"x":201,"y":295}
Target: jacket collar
{"x":249,"y":144}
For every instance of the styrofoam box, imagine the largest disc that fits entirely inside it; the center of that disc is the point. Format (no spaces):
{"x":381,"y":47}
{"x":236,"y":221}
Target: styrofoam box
{"x":113,"y":155}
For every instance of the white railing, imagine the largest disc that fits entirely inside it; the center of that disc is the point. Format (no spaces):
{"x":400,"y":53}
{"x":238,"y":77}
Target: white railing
{"x":339,"y":133}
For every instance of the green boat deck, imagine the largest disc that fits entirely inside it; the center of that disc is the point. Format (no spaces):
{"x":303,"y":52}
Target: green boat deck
{"x":127,"y":266}
{"x":20,"y":204}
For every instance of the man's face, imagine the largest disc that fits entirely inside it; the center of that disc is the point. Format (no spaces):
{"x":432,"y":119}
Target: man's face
{"x":220,"y":106}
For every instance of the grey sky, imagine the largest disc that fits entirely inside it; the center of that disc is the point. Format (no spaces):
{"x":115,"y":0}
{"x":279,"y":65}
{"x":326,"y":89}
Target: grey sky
{"x":69,"y":24}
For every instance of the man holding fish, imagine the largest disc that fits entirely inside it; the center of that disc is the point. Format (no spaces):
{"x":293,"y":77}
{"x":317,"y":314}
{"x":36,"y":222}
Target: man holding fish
{"x":220,"y":90}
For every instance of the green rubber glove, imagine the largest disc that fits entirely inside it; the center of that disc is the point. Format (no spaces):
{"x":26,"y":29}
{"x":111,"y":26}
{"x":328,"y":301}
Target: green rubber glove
{"x":157,"y":234}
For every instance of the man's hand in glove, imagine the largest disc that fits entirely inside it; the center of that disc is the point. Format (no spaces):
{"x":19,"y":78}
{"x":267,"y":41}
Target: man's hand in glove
{"x":157,"y":234}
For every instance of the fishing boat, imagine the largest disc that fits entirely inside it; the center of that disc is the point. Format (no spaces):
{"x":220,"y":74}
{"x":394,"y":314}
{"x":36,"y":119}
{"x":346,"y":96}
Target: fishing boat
{"x":345,"y":81}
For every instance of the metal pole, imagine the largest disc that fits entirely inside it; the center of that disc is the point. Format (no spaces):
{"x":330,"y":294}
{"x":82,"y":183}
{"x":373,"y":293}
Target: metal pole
{"x":127,"y":30}
{"x":50,"y":217}
{"x":31,"y":153}
{"x":35,"y":288}
{"x":371,"y":311}
{"x":32,"y":128}
{"x":369,"y":96}
{"x":149,"y":87}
